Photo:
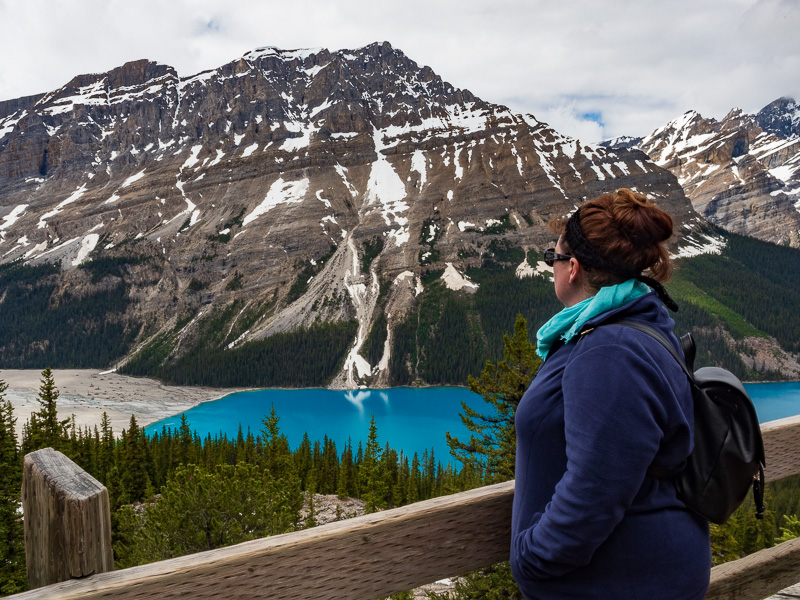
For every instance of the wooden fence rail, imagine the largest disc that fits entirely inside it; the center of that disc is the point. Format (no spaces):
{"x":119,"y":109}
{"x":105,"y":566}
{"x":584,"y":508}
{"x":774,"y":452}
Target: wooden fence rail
{"x":375,"y":555}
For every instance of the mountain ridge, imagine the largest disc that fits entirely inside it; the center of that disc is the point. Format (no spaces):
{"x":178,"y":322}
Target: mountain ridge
{"x":741,"y":172}
{"x":289,"y":189}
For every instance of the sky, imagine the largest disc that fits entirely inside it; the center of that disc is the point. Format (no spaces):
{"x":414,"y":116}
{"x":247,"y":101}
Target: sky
{"x":592,"y":69}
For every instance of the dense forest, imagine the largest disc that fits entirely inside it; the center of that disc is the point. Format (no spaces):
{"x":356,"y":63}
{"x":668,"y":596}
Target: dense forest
{"x":42,"y":324}
{"x":751,"y":289}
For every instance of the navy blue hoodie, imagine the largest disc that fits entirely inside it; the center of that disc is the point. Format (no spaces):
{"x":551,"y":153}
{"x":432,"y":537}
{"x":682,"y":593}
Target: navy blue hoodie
{"x":588,"y":522}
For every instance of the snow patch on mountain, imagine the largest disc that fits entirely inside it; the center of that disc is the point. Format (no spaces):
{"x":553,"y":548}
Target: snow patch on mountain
{"x":386,"y":188}
{"x":88,"y":243}
{"x":419,"y":164}
{"x":133,"y":178}
{"x":454,"y":280}
{"x":364,"y":298}
{"x":280,"y":192}
{"x":695,"y":244}
{"x":72,"y":198}
{"x":12,"y":217}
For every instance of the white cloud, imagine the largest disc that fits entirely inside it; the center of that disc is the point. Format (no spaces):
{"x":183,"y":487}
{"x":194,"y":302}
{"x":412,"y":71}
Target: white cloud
{"x":566,"y":118}
{"x":635,"y":64}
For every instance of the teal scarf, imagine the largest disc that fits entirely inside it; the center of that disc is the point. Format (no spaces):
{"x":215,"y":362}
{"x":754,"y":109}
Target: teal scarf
{"x":566,"y":324}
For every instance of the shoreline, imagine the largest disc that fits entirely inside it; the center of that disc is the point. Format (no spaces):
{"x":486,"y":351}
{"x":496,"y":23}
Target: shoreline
{"x":87,"y":393}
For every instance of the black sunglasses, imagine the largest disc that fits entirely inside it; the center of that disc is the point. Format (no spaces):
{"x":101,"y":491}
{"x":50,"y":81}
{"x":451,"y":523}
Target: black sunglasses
{"x":551,"y":256}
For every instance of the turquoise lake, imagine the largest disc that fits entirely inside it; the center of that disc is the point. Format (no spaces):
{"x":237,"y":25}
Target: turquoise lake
{"x":410,"y":419}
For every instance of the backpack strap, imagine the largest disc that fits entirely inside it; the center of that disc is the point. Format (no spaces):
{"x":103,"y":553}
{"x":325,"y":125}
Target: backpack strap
{"x":687,"y":344}
{"x":689,"y":350}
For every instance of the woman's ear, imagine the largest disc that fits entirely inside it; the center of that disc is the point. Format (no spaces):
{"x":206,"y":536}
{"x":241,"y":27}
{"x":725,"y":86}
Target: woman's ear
{"x":575,"y":270}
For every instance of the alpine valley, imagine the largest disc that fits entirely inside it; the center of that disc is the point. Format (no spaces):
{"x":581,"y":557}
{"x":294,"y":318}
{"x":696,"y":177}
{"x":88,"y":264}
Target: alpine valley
{"x":317,"y":218}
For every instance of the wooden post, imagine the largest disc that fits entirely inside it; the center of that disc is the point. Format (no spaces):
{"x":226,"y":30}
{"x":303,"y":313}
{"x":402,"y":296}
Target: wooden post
{"x":67,"y":520}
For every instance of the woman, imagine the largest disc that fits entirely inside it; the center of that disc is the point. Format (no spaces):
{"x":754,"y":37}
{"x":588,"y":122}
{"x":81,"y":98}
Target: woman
{"x":606,"y":404}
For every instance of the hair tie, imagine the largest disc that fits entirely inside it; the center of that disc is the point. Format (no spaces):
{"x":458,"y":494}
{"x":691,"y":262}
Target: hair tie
{"x":586,"y":253}
{"x":660,"y":290}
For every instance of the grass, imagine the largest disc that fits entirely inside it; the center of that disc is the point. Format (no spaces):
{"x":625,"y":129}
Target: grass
{"x":689,"y":292}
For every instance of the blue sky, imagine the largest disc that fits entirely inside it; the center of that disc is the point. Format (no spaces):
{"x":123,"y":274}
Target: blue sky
{"x":593,"y":69}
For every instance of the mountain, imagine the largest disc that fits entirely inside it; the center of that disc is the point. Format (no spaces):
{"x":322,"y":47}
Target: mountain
{"x":741,"y":173}
{"x":301,"y":216}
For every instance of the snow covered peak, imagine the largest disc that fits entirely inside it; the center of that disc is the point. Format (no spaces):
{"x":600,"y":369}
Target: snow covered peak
{"x":742,"y":172}
{"x":781,"y":117}
{"x":299,"y":53}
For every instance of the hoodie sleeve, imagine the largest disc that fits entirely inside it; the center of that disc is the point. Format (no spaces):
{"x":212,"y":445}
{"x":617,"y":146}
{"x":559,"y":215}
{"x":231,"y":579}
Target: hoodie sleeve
{"x":614,"y":422}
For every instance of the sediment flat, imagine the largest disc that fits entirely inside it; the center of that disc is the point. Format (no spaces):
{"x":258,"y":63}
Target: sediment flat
{"x":87,"y":393}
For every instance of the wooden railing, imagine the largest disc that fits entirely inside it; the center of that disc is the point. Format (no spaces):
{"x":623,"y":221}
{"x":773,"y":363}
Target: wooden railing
{"x":376,"y":555}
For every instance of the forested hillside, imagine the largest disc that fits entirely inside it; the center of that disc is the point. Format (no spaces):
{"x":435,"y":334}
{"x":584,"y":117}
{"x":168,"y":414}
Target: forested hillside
{"x":749,"y":291}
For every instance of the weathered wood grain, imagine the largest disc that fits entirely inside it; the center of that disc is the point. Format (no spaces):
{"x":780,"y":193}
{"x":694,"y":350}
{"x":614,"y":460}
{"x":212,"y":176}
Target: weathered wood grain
{"x":67,"y":520}
{"x":782,"y":448}
{"x":757,"y":575}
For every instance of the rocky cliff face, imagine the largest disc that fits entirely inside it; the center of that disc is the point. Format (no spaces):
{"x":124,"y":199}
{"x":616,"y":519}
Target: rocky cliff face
{"x":296,"y":181}
{"x":742,"y":173}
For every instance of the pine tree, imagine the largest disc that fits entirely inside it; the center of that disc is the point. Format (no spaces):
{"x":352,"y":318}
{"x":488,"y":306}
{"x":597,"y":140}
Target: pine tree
{"x":373,"y":486}
{"x":276,"y":452}
{"x":277,"y":462}
{"x":44,"y":429}
{"x":303,"y":463}
{"x":105,"y":450}
{"x":134,"y":467}
{"x":492,"y":444}
{"x":12,"y":542}
{"x":347,"y":484}
{"x":412,"y":488}
{"x":184,"y":442}
{"x":327,"y":482}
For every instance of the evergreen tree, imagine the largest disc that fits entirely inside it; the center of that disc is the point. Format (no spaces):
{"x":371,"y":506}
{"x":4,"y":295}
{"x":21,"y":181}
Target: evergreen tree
{"x":327,"y":481}
{"x":412,"y":488}
{"x":184,"y":442}
{"x":724,"y":545}
{"x":44,"y":429}
{"x":276,"y":452}
{"x":303,"y":462}
{"x":12,"y":542}
{"x":200,"y":510}
{"x":105,"y":449}
{"x":134,"y":466}
{"x":492,"y":444}
{"x":277,"y":461}
{"x":790,"y":528}
{"x":347,"y":484}
{"x":373,"y":490}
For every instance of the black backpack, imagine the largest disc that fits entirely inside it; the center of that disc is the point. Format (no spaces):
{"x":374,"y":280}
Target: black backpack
{"x":728,"y":455}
